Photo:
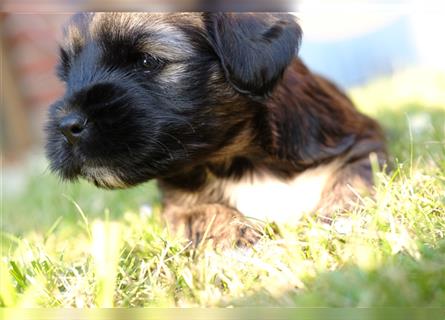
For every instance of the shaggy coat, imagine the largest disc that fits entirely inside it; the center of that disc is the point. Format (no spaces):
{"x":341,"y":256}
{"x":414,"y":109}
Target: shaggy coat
{"x":219,"y":109}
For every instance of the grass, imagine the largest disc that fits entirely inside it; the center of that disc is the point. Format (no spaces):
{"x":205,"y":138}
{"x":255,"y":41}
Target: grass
{"x":76,"y":246}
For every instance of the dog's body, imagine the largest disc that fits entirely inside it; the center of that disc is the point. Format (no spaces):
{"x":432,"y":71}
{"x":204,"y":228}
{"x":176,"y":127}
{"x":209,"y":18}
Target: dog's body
{"x":226,"y":117}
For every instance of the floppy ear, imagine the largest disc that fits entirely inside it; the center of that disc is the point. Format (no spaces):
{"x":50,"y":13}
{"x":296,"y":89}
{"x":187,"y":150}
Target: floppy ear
{"x":254,"y":48}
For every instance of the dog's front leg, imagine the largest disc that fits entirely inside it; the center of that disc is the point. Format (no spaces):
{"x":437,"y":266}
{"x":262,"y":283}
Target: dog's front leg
{"x":217,"y":225}
{"x":351,"y":182}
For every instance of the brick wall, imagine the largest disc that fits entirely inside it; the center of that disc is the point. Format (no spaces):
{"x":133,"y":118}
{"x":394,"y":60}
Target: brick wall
{"x":29,"y":49}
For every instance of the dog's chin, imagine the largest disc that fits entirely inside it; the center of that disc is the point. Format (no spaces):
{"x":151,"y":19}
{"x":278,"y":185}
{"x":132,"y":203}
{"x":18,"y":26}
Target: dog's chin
{"x":103,"y":177}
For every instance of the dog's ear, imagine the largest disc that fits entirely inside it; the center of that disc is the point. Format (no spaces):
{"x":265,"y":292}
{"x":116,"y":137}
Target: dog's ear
{"x":254,"y":48}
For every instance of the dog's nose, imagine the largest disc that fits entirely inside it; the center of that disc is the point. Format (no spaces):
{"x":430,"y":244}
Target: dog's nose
{"x":72,"y":127}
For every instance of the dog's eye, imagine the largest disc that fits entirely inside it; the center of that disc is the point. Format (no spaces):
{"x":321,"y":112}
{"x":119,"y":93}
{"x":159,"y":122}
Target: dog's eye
{"x":151,"y":64}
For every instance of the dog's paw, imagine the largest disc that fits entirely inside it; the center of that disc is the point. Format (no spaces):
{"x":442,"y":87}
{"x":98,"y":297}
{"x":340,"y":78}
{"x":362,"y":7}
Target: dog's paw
{"x":219,"y":227}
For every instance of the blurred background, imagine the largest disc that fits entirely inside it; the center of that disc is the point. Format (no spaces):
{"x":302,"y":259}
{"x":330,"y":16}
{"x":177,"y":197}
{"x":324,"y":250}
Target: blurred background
{"x":28,"y":55}
{"x":349,"y":43}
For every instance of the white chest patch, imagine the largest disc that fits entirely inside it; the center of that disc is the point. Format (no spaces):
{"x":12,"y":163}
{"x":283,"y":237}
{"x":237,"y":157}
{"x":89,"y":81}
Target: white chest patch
{"x":271,"y":199}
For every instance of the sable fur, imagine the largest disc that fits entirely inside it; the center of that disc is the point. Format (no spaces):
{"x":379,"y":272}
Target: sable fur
{"x":205,"y":104}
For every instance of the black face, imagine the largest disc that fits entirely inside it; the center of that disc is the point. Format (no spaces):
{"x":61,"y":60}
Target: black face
{"x":121,"y":122}
{"x":129,"y":115}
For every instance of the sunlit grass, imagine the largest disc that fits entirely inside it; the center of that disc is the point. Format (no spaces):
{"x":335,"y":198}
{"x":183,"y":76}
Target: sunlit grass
{"x":76,"y":246}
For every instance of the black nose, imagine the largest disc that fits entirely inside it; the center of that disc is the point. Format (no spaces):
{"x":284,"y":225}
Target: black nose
{"x":72,"y":127}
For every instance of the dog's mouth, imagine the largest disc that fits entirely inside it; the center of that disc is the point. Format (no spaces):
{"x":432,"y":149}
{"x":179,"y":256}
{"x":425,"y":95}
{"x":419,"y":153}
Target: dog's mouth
{"x":101,"y":176}
{"x":101,"y":159}
{"x":71,"y":164}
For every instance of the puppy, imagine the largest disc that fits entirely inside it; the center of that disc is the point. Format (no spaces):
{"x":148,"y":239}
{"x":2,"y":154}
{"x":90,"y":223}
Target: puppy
{"x":219,"y":109}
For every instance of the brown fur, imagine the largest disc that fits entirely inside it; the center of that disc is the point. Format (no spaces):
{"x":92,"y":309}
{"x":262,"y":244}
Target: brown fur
{"x":305,"y":130}
{"x":346,"y":136}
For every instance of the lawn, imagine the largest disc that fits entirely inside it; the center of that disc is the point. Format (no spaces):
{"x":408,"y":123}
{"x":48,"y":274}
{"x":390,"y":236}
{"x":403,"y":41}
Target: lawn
{"x":72,"y":245}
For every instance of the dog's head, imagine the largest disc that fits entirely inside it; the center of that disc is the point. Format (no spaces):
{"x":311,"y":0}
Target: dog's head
{"x":148,"y":95}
